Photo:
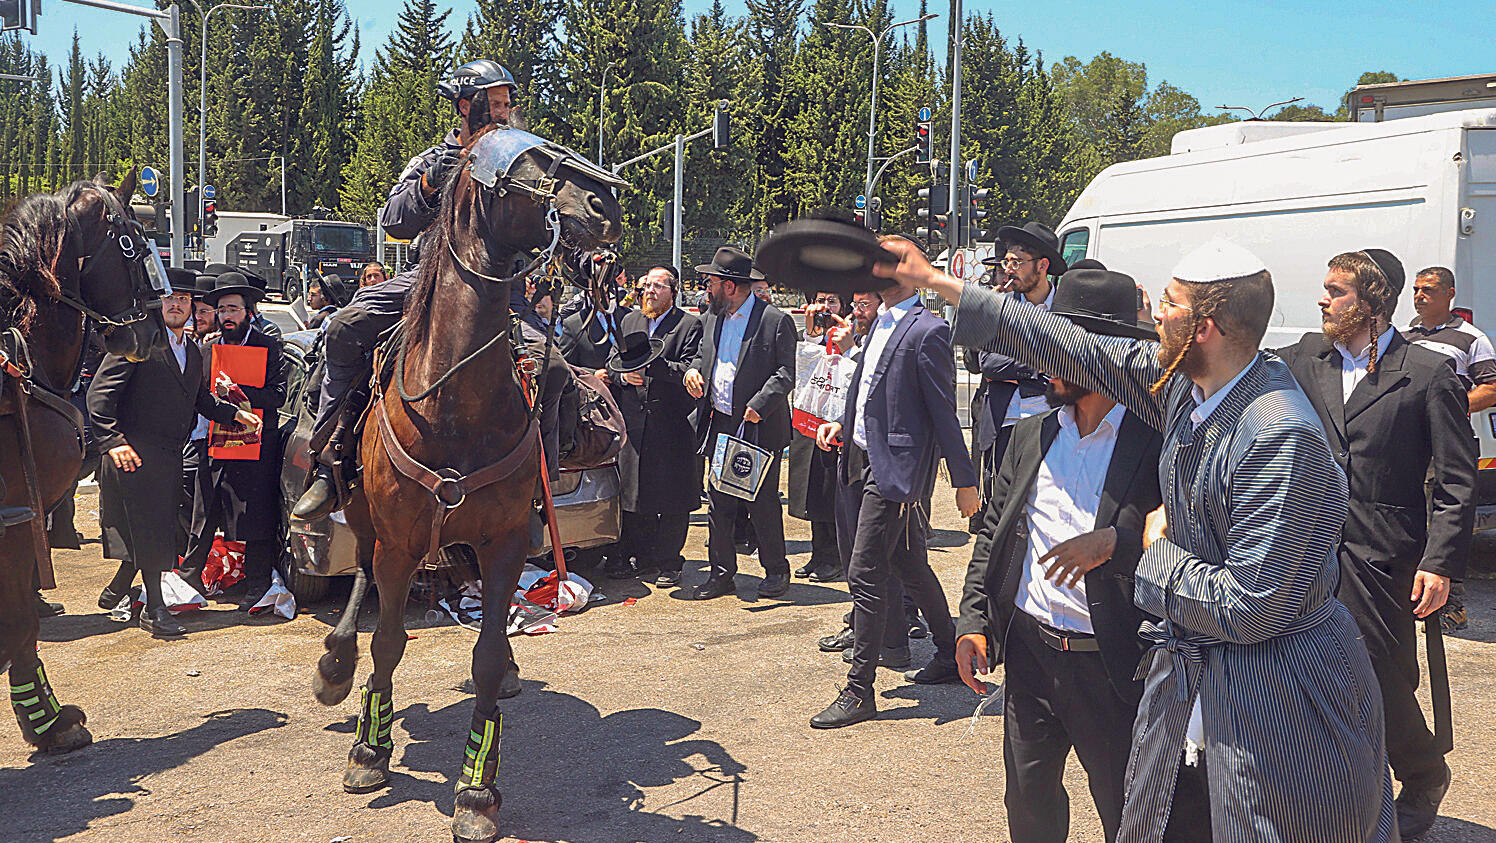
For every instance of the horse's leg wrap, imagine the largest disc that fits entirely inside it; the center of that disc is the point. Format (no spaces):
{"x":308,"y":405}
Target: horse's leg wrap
{"x":375,"y":719}
{"x":480,"y":762}
{"x":45,"y":723}
{"x":369,"y":759}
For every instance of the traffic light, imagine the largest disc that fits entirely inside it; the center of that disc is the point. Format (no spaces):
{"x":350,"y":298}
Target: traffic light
{"x":18,"y":14}
{"x":973,"y":214}
{"x":859,"y":216}
{"x":667,"y":222}
{"x":874,"y":216}
{"x":922,"y":140}
{"x":720,"y":136}
{"x":935,"y":207}
{"x":189,"y":211}
{"x":210,"y":218}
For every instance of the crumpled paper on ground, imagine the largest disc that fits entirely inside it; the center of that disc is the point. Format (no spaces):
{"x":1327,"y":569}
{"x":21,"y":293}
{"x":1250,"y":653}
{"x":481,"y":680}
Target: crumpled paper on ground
{"x":279,"y":599}
{"x":178,"y":596}
{"x":540,"y":587}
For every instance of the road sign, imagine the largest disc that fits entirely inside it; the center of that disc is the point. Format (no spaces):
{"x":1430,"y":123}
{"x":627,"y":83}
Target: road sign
{"x":924,"y":113}
{"x":150,"y":182}
{"x":958,"y":264}
{"x":209,"y":192}
{"x":971,"y":171}
{"x":861,"y":201}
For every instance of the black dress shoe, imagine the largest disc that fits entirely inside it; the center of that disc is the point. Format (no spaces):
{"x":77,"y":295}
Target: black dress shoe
{"x":109,"y":598}
{"x":847,"y":710}
{"x":160,"y":624}
{"x":45,"y":609}
{"x":713,"y":588}
{"x":830,"y":572}
{"x":917,"y":628}
{"x":804,"y":570}
{"x":619,"y":569}
{"x":1418,"y":807}
{"x":320,"y":498}
{"x":897,"y":658}
{"x":937,"y":672}
{"x":667,"y":579}
{"x":774,"y":585}
{"x":837,"y":643}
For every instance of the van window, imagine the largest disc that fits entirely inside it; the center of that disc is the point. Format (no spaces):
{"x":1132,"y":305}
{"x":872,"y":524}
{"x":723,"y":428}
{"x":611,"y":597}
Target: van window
{"x":1073,"y":244}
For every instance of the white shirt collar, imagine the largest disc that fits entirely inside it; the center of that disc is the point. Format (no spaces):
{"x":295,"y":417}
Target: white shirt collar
{"x":1111,"y":422}
{"x":1205,"y":406}
{"x":902,"y":307}
{"x":1382,"y":343}
{"x":1048,"y":300}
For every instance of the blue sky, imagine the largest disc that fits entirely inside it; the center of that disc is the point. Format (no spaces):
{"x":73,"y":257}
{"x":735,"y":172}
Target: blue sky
{"x":1232,"y":53}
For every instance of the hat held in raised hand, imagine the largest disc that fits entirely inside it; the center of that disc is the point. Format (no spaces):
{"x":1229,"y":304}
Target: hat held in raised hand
{"x":636,"y":350}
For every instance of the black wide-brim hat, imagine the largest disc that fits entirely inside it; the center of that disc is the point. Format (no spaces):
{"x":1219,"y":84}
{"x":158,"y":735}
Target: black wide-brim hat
{"x":1102,"y":302}
{"x":813,"y":255}
{"x":182,"y":280}
{"x":638,"y":351}
{"x":731,"y":263}
{"x":229,"y":283}
{"x":1037,"y":238}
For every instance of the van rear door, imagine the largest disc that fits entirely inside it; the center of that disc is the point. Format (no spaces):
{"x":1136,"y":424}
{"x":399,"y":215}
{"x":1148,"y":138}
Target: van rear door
{"x":1475,"y":278}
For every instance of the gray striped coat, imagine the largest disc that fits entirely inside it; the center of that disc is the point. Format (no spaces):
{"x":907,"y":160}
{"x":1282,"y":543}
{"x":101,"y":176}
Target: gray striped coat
{"x":1245,"y":587}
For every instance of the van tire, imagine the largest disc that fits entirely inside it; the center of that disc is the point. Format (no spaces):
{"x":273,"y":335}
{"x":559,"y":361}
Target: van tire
{"x":307,"y":588}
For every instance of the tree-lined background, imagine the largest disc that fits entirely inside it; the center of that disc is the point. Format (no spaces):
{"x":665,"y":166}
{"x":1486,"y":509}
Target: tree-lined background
{"x":295,"y":82}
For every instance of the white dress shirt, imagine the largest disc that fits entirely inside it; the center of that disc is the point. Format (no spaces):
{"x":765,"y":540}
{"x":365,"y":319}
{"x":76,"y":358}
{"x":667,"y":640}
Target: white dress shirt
{"x":729,"y":347}
{"x":1019,"y":407}
{"x":1061,"y":506}
{"x":877,"y":342}
{"x":1353,"y":368}
{"x":178,"y":342}
{"x":654,"y":324}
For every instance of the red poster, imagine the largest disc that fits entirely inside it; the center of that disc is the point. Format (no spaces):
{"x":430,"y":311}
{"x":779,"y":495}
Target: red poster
{"x":234,"y":366}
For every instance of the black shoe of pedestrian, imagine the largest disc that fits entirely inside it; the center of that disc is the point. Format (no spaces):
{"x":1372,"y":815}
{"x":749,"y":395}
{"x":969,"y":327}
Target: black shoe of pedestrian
{"x":320,"y":498}
{"x":109,"y":598}
{"x":1453,"y":619}
{"x":45,"y":609}
{"x":917,"y":628}
{"x":252,"y":595}
{"x":667,"y":579}
{"x":774,"y":585}
{"x":837,"y":643}
{"x":160,"y":624}
{"x":897,"y":658}
{"x":830,"y":572}
{"x":1418,"y":807}
{"x":937,"y":672}
{"x":847,"y":710}
{"x":713,"y":588}
{"x":804,"y":570}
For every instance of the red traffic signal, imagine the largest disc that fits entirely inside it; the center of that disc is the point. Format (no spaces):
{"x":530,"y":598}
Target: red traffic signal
{"x":922,"y":139}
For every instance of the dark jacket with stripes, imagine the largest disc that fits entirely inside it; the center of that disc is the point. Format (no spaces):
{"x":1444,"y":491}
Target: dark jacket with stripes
{"x":1245,"y":587}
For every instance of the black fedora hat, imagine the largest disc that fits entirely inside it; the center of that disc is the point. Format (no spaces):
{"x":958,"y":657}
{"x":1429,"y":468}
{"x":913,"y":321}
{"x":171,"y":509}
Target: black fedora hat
{"x":218,"y":269}
{"x":334,"y":289}
{"x":230,"y":283}
{"x":812,"y":255}
{"x":182,"y":280}
{"x":637,"y":350}
{"x":254,"y":280}
{"x":731,"y":263}
{"x":1037,"y":238}
{"x":1102,"y":302}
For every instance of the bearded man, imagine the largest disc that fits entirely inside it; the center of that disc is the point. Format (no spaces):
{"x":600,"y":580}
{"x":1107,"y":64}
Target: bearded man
{"x":1241,"y":702}
{"x":1394,"y":413}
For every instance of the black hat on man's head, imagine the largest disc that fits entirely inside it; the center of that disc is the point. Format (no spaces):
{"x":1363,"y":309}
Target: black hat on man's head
{"x":731,"y":263}
{"x":1101,"y":301}
{"x":334,"y":289}
{"x":1035,"y":237}
{"x":636,"y":350}
{"x":230,"y":283}
{"x":1087,"y":263}
{"x":1391,"y":267}
{"x":182,"y":280}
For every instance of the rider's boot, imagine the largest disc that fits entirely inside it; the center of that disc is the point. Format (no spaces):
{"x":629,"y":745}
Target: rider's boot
{"x":321,"y":496}
{"x":10,"y":516}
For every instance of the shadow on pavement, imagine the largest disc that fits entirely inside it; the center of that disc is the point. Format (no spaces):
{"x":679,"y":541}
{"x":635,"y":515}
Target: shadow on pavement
{"x":70,"y":627}
{"x":64,"y":794}
{"x":939,"y":704}
{"x":1451,"y":830}
{"x":1480,"y":597}
{"x":568,"y":770}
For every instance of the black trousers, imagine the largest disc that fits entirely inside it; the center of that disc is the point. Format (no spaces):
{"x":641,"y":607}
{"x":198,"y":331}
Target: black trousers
{"x":148,"y":532}
{"x":823,"y":545}
{"x":656,"y":539}
{"x":765,"y":513}
{"x":260,"y":555}
{"x":848,"y":504}
{"x":1055,"y":701}
{"x":890,"y":544}
{"x":194,"y":454}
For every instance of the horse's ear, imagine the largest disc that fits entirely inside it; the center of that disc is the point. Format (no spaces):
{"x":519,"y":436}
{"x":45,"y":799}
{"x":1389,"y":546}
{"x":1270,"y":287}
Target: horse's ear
{"x":126,"y":189}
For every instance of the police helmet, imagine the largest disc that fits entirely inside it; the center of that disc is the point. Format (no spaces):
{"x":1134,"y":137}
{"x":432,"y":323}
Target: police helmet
{"x":476,"y":76}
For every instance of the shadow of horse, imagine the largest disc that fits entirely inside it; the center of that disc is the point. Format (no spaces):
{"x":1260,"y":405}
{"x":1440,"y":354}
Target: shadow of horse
{"x":582,"y":774}
{"x":63,"y":795}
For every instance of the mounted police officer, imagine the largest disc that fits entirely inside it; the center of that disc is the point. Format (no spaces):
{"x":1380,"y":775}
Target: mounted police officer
{"x":482,"y":93}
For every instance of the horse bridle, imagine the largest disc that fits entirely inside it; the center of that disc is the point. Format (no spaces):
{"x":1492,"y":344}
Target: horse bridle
{"x":148,"y":281}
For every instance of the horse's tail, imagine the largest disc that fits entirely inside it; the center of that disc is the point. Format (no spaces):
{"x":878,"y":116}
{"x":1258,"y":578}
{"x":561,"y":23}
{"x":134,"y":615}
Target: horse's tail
{"x":334,"y":677}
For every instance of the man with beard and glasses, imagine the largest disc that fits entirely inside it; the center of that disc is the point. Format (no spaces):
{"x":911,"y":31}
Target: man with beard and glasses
{"x":741,"y":379}
{"x":141,"y":414}
{"x":1010,"y":391}
{"x":1240,"y":701}
{"x":1049,"y":589}
{"x":1395,"y":414}
{"x":481,"y":93}
{"x":240,"y":496}
{"x":659,"y":468}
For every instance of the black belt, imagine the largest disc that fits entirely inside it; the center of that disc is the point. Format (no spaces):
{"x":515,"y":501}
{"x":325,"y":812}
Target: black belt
{"x":1067,"y":642}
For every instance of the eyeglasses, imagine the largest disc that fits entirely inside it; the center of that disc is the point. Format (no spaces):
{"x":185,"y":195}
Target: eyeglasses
{"x":655,"y":285}
{"x":1165,"y":300}
{"x":228,"y":308}
{"x":864,"y":305}
{"x":1014,"y":263}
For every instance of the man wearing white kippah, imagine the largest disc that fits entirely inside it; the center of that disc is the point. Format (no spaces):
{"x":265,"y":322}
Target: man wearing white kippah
{"x":1288,"y":743}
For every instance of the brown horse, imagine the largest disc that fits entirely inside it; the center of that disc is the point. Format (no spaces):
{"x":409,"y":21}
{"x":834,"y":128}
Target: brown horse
{"x":450,"y":449}
{"x":69,"y":262}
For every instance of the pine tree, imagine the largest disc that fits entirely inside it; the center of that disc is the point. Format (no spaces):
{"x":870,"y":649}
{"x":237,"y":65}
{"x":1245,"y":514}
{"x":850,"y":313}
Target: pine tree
{"x":520,"y":35}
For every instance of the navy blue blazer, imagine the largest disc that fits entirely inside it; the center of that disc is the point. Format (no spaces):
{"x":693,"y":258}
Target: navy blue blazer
{"x":911,"y":409}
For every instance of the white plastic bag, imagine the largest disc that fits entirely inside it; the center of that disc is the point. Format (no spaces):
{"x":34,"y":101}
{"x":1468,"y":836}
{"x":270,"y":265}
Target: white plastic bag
{"x":822,"y":379}
{"x":178,"y":595}
{"x":278,"y":599}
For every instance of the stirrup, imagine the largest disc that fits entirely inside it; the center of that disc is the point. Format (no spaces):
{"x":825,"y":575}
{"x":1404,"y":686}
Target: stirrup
{"x":10,"y":516}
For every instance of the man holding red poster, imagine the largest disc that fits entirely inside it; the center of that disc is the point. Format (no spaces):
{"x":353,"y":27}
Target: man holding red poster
{"x":236,"y":488}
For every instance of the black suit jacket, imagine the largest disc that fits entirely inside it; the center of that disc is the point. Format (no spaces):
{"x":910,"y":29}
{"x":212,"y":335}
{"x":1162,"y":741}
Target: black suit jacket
{"x":1407,"y":417}
{"x":589,"y":347}
{"x":654,"y":464}
{"x":765,"y":376}
{"x":1129,"y":493}
{"x":153,"y":402}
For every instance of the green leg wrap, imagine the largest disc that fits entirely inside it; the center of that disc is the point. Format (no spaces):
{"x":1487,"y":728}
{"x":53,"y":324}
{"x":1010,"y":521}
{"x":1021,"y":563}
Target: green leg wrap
{"x":375,"y":719}
{"x":480,"y":763}
{"x":35,"y":705}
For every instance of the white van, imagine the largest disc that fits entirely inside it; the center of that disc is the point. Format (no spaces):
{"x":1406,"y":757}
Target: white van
{"x":1297,"y":194}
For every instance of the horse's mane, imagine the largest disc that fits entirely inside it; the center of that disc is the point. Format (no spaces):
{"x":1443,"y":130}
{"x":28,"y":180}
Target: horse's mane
{"x":435,"y":243}
{"x":33,"y":243}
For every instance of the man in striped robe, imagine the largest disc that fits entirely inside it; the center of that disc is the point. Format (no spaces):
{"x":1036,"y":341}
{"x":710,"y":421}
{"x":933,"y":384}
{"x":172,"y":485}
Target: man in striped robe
{"x":1258,"y":670}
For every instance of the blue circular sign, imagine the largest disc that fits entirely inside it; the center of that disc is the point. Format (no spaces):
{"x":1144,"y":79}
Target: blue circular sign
{"x":924,"y":113}
{"x":209,"y":192}
{"x":150,"y":182}
{"x":861,"y":201}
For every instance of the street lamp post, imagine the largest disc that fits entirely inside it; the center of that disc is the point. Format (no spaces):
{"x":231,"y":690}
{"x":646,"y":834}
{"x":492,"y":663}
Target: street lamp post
{"x":602,"y":103}
{"x":202,"y":104}
{"x":872,"y":116}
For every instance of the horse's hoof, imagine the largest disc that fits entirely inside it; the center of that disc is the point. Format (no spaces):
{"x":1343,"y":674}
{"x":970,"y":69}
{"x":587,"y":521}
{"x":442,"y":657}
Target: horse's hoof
{"x":475,"y":816}
{"x":75,"y":737}
{"x":330,"y":693}
{"x":365,"y":775}
{"x":510,"y":686}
